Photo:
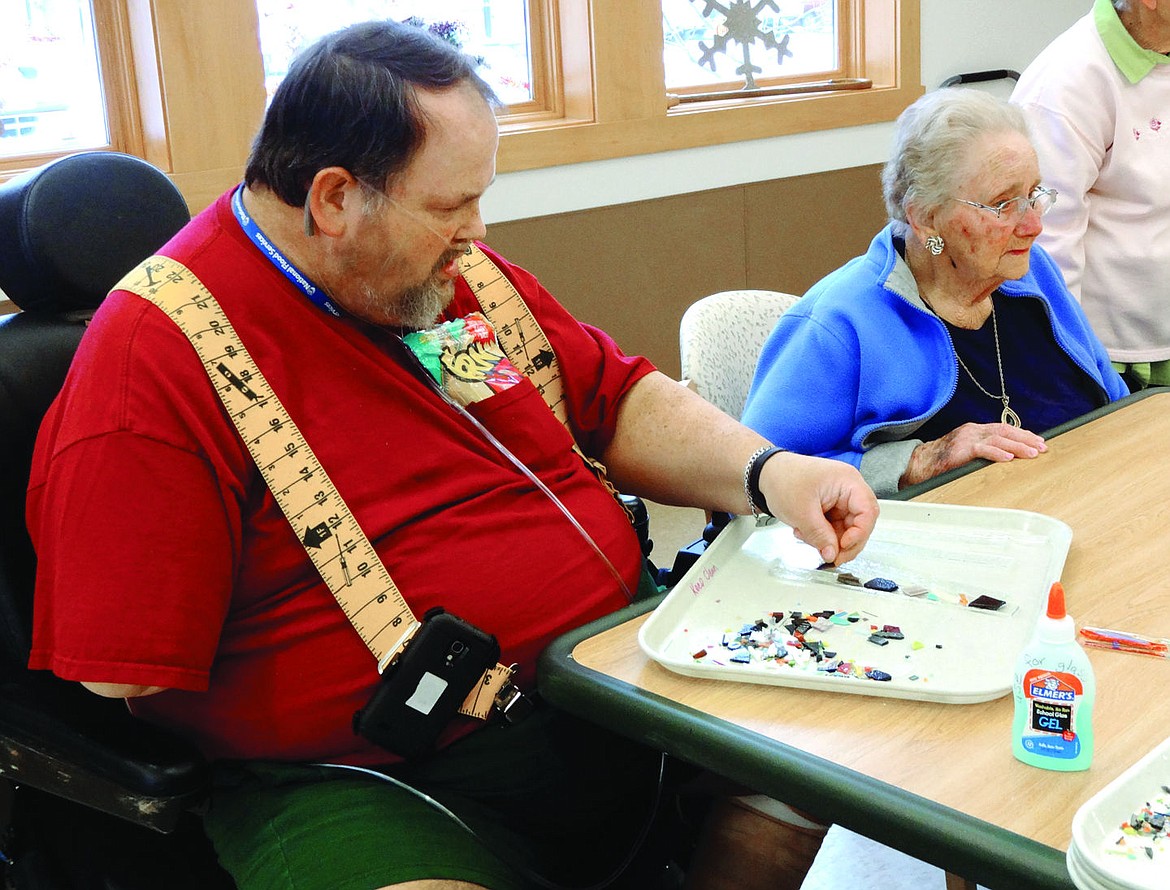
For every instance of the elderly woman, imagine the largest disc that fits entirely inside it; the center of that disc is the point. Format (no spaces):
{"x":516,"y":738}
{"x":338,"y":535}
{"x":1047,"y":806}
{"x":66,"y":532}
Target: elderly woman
{"x":954,"y":337}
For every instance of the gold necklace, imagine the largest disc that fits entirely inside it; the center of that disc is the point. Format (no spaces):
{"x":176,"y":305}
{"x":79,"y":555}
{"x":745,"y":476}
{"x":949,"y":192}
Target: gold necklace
{"x":1007,"y":416}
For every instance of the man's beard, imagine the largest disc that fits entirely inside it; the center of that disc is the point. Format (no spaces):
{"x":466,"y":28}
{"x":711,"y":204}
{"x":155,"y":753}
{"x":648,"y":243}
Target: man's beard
{"x":419,"y":305}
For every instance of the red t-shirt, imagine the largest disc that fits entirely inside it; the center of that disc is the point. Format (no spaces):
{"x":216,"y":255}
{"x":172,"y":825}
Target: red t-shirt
{"x":165,"y":561}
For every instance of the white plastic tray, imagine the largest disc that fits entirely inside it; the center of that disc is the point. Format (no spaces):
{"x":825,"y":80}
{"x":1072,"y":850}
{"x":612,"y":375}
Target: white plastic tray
{"x":950,"y":652}
{"x":1097,"y":825}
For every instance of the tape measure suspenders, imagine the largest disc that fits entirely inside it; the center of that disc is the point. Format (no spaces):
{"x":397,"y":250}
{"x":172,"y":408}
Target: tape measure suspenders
{"x":519,"y":334}
{"x":336,"y":544}
{"x":524,"y":343}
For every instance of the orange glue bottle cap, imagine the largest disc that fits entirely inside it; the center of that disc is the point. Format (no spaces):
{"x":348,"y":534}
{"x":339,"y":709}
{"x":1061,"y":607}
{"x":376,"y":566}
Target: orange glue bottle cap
{"x":1056,"y":626}
{"x":1056,"y":601}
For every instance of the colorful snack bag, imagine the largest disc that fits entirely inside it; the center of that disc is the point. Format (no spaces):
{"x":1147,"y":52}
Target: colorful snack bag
{"x":465,"y":359}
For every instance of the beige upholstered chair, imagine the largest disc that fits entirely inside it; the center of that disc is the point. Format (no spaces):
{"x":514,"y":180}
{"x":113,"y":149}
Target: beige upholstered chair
{"x":720,"y":338}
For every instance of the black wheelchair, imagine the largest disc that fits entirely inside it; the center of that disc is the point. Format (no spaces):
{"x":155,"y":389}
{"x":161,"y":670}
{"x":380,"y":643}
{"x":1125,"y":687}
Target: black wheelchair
{"x":90,"y":797}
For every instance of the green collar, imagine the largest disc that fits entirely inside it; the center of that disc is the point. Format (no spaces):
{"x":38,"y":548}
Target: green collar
{"x":1131,"y":60}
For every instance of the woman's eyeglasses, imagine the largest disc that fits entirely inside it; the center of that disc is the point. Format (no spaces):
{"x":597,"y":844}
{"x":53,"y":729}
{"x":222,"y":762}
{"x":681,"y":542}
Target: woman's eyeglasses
{"x":1014,"y":209}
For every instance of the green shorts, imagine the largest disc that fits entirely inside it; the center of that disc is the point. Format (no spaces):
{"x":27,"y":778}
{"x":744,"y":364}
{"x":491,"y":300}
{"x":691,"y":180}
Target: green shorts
{"x":552,"y":795}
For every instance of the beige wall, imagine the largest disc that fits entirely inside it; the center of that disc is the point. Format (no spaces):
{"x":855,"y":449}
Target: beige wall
{"x":632,"y":269}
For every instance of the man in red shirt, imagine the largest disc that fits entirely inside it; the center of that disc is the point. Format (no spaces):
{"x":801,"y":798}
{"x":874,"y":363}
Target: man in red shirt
{"x":333,"y":262}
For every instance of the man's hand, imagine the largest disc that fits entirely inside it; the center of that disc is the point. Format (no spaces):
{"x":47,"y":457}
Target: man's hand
{"x":827,"y":503}
{"x":990,"y":441}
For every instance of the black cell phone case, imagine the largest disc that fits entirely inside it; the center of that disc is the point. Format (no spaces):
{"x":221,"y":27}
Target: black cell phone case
{"x":422,"y":691}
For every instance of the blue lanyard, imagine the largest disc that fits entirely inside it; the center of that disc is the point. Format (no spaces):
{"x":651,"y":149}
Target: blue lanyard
{"x":278,"y":259}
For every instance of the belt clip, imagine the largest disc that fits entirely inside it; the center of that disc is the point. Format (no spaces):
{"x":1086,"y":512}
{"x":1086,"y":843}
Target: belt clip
{"x":398,"y":648}
{"x":513,"y":704}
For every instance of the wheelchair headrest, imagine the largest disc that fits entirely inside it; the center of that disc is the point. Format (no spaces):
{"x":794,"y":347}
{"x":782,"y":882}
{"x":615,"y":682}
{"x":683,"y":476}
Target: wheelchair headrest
{"x":69,"y":230}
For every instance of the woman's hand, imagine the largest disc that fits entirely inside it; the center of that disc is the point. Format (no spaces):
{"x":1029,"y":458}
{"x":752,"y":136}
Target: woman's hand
{"x":990,"y":441}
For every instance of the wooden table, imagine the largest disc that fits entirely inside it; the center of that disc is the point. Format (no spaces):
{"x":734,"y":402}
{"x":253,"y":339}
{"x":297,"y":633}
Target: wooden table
{"x":937,"y":781}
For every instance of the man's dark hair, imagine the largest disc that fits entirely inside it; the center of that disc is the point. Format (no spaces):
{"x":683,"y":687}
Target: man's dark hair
{"x":350,"y":101}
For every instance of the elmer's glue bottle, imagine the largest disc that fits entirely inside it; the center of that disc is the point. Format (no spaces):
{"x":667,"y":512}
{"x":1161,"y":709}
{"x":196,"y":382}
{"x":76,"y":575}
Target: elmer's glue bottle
{"x":1054,"y":690}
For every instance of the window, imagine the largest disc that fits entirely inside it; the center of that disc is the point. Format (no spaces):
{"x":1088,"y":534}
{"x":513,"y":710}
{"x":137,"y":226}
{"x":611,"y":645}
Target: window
{"x":580,"y":82}
{"x":67,"y":80}
{"x":50,"y":87}
{"x":183,"y":84}
{"x":495,"y":32}
{"x":618,"y":98}
{"x":721,"y":47}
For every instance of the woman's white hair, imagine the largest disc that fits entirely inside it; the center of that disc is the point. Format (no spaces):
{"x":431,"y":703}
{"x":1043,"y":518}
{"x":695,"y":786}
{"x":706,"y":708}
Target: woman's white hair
{"x":931,"y":142}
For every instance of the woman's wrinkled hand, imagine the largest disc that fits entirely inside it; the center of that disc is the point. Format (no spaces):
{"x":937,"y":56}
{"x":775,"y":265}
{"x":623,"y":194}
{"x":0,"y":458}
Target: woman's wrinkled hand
{"x":989,"y":441}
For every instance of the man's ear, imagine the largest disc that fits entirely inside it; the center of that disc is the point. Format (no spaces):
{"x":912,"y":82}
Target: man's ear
{"x":334,"y":199}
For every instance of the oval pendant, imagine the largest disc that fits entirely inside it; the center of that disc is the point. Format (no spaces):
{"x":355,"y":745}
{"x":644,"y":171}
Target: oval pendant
{"x":1009,"y":416}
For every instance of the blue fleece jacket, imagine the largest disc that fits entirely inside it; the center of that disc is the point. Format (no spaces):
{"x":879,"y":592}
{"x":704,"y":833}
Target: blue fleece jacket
{"x":859,"y":363}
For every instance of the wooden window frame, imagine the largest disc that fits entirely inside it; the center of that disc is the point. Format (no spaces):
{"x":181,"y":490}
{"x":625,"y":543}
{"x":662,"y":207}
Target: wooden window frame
{"x":157,"y":57}
{"x":609,"y":115}
{"x":547,"y":101}
{"x":112,"y":34}
{"x":603,"y":95}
